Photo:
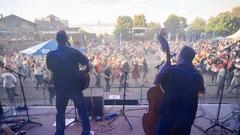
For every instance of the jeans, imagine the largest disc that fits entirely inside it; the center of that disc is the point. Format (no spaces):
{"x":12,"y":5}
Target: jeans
{"x":107,"y":85}
{"x":10,"y":94}
{"x":39,"y":79}
{"x":98,"y":81}
{"x":52,"y":93}
{"x":61,"y":104}
{"x":165,"y":127}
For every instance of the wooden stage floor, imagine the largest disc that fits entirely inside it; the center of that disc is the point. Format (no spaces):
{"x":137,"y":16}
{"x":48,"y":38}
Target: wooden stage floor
{"x":46,"y":116}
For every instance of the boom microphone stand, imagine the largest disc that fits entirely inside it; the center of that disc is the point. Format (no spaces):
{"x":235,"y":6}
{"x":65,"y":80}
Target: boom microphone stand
{"x":122,"y":112}
{"x":28,"y":121}
{"x":217,"y":123}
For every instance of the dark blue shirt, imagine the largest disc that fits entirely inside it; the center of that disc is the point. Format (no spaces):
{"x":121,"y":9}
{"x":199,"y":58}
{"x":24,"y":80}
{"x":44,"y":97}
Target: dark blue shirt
{"x":65,"y":79}
{"x":181,"y":84}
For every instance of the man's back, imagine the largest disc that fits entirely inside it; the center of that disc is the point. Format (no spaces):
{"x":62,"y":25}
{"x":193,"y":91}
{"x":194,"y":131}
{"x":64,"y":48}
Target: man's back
{"x":64,"y":76}
{"x":181,"y":85}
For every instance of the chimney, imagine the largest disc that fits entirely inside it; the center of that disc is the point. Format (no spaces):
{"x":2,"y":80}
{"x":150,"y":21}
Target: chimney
{"x":1,"y":16}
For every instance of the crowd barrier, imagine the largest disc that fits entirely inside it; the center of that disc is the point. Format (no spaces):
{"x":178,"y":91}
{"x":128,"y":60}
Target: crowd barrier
{"x":40,"y":96}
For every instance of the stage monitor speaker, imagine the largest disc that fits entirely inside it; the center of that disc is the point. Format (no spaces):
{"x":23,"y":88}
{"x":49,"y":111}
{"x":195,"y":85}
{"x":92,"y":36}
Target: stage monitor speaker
{"x":120,"y":102}
{"x":1,"y":109}
{"x":94,"y":105}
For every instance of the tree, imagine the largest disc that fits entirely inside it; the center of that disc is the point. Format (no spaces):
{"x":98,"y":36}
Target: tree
{"x":152,"y":28}
{"x":123,"y":27}
{"x":236,"y":12}
{"x":139,"y":21}
{"x":223,"y":24}
{"x":198,"y":26}
{"x":176,"y":25}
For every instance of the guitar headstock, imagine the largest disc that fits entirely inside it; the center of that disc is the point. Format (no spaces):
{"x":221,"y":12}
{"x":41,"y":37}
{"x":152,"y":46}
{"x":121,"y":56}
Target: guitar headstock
{"x":162,"y":40}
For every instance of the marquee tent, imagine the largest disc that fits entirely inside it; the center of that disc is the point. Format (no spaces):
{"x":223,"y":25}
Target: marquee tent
{"x":44,"y":48}
{"x":235,"y":36}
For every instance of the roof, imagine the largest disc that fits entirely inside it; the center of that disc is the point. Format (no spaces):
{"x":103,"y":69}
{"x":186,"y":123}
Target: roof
{"x":234,"y":36}
{"x":12,"y":17}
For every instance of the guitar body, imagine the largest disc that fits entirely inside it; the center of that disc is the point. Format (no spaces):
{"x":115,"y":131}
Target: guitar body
{"x":151,"y":118}
{"x":87,"y":79}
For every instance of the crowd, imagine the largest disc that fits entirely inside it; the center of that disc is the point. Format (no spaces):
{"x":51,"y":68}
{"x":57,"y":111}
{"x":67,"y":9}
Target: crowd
{"x":113,"y":63}
{"x":211,"y":60}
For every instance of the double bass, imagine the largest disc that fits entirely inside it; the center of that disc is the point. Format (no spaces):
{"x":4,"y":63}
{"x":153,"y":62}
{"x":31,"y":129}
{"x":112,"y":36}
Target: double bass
{"x":155,"y":95}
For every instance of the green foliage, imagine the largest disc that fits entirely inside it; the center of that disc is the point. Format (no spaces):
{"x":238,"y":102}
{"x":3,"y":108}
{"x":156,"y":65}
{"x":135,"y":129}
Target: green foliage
{"x":198,"y":25}
{"x":176,"y":24}
{"x":152,"y":28}
{"x":223,"y":24}
{"x":124,"y":26}
{"x":139,"y":21}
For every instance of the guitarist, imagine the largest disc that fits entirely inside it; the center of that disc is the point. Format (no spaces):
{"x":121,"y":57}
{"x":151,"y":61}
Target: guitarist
{"x":181,"y":84}
{"x":68,"y":82}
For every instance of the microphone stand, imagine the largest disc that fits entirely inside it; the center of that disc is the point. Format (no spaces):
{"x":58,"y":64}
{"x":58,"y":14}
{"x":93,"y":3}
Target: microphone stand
{"x":28,"y":121}
{"x":217,"y":123}
{"x":235,"y":114}
{"x":75,"y":119}
{"x":122,"y":111}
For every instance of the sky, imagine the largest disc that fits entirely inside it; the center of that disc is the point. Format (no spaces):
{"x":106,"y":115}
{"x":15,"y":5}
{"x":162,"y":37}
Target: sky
{"x":106,"y":11}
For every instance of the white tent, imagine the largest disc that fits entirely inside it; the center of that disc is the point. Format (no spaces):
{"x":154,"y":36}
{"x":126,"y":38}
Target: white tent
{"x":235,"y":36}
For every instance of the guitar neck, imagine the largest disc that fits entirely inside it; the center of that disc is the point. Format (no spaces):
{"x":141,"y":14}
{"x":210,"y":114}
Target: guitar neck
{"x":168,"y":56}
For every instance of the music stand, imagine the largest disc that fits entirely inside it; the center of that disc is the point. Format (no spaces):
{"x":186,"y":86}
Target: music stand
{"x":217,"y":123}
{"x":28,"y":121}
{"x":122,"y":111}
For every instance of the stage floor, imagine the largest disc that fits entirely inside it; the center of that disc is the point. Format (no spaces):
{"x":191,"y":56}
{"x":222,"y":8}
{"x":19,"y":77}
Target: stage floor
{"x":206,"y":112}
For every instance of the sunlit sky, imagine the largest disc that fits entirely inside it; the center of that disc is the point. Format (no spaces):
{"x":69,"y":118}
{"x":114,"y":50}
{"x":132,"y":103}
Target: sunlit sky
{"x":106,"y":11}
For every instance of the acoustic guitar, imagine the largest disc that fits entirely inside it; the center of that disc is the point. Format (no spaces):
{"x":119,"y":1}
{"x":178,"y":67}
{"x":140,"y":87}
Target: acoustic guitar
{"x":155,"y":95}
{"x":87,"y":79}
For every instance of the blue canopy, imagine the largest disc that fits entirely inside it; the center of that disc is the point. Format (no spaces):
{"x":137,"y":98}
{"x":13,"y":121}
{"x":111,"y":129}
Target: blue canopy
{"x":44,"y":48}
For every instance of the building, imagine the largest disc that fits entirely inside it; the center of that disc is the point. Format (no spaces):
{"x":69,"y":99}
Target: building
{"x":17,"y":29}
{"x":51,"y":23}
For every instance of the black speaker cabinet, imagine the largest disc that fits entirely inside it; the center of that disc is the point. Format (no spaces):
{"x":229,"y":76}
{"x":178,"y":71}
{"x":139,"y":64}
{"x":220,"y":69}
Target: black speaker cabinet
{"x":94,"y":105}
{"x":1,"y":109}
{"x":120,"y":102}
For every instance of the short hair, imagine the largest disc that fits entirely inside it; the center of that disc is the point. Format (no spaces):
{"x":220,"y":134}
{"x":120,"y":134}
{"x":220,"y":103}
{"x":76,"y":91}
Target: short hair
{"x":187,"y":53}
{"x":62,"y":37}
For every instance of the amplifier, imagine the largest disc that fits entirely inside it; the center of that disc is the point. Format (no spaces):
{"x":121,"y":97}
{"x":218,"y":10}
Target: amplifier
{"x":94,"y":105}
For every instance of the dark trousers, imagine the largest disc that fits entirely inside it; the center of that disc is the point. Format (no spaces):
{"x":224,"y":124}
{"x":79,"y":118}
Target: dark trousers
{"x":107,"y":85}
{"x":39,"y":79}
{"x":214,"y":77}
{"x":52,"y":93}
{"x":165,"y":127}
{"x":98,"y":81}
{"x":61,"y":104}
